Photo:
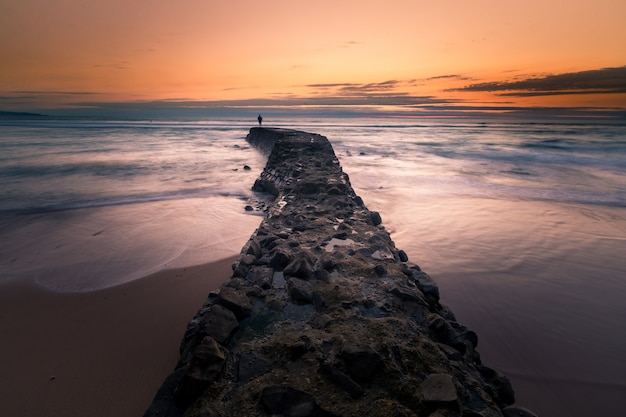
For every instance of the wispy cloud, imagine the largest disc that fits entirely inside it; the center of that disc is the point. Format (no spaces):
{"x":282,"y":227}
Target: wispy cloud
{"x":350,"y":44}
{"x":355,"y":89}
{"x":115,"y":66}
{"x":601,"y":81}
{"x":25,"y":99}
{"x":448,"y":77}
{"x":34,"y":93}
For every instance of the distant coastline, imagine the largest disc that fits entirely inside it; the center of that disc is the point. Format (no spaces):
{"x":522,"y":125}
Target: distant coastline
{"x":11,"y":115}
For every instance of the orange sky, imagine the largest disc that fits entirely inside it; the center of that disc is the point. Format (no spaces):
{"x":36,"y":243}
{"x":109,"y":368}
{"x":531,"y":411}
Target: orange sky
{"x":75,"y":51}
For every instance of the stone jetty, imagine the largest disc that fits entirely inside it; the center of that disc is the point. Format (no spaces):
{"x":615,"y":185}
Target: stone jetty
{"x":323,"y":316}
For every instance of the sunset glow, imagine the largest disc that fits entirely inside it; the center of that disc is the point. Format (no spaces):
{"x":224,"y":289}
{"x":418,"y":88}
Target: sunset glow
{"x":72,"y":54}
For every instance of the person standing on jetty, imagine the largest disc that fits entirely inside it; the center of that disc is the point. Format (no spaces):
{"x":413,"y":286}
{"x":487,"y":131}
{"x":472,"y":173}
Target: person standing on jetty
{"x":260,"y":119}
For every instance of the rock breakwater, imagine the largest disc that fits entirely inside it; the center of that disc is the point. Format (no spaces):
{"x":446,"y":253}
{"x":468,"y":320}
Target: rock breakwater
{"x":324,"y":316}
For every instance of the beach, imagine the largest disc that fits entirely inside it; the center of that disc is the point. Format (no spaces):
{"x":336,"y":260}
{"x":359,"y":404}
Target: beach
{"x":522,"y":226}
{"x":541,"y":283}
{"x":99,"y":353}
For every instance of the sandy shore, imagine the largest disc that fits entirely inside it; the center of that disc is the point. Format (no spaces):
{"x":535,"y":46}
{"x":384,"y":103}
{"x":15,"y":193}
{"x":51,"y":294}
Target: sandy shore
{"x":102,"y":353}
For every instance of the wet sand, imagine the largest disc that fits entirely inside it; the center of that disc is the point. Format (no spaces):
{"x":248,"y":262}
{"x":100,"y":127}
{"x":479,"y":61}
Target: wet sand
{"x":543,"y":286}
{"x":101,"y":353}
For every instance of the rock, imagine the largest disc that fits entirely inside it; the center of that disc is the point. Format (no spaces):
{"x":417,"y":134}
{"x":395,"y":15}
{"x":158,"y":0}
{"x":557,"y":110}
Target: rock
{"x":426,"y":284}
{"x":342,"y":380}
{"x":261,"y":276}
{"x":439,"y":388}
{"x":247,"y":259}
{"x":322,"y":275}
{"x":464,"y":334}
{"x":269,"y":242}
{"x":235,"y":301}
{"x":380,"y":270}
{"x":243,"y":266}
{"x":289,"y":402}
{"x":301,"y":266}
{"x":450,"y":352}
{"x":300,"y":291}
{"x":280,"y":260}
{"x":254,"y":248}
{"x":408,"y":294}
{"x":382,"y":254}
{"x":500,"y":384}
{"x":220,"y":323}
{"x":361,"y":361}
{"x":321,"y":321}
{"x":207,"y":362}
{"x":323,"y":314}
{"x":252,"y":365}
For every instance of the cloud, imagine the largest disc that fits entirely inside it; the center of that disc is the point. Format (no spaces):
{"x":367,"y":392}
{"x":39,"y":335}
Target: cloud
{"x":601,"y":81}
{"x":350,"y":44}
{"x":440,"y":77}
{"x":33,"y":93}
{"x":390,"y":97}
{"x":28,"y":99}
{"x":355,"y":89}
{"x":115,"y":66}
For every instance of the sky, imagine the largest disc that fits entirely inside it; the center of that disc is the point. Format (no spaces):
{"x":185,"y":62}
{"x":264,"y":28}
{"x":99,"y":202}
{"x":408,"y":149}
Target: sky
{"x":404,"y":57}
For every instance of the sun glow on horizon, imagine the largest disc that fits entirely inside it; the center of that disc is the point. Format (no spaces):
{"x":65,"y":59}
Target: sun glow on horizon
{"x":77,"y":54}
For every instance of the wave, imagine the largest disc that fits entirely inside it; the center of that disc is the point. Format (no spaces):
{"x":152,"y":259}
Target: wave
{"x":125,"y":200}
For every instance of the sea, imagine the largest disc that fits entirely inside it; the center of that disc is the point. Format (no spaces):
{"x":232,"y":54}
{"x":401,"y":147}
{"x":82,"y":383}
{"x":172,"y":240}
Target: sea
{"x":522,"y":223}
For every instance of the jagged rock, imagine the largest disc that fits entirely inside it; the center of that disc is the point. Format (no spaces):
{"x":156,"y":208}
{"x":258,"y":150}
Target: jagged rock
{"x":408,"y":294}
{"x":380,"y":270}
{"x":504,"y":394}
{"x":426,"y":283}
{"x":247,"y":259}
{"x":221,"y":323}
{"x":300,"y":291}
{"x":289,"y":402}
{"x":261,"y":276}
{"x":342,"y":380}
{"x":322,"y":275}
{"x":382,"y":253}
{"x":207,"y":362}
{"x":252,"y":365}
{"x":439,"y":388}
{"x":324,"y":316}
{"x":450,"y":352}
{"x":299,"y":348}
{"x":361,"y":361}
{"x":269,"y":242}
{"x":235,"y":301}
{"x":254,"y":248}
{"x":280,"y":260}
{"x":301,"y":266}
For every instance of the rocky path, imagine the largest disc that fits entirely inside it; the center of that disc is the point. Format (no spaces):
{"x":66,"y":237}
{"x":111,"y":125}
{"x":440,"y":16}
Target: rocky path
{"x":324,"y":316}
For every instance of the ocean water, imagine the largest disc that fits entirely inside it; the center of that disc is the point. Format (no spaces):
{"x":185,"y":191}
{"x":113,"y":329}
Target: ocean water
{"x":521,"y":223}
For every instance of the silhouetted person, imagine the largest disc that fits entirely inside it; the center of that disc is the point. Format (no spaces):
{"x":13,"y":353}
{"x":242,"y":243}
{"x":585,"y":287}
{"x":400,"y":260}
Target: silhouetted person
{"x":260,"y":119}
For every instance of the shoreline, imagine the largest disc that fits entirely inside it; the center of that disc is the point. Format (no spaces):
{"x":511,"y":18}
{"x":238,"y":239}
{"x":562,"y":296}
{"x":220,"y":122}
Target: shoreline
{"x":99,"y":353}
